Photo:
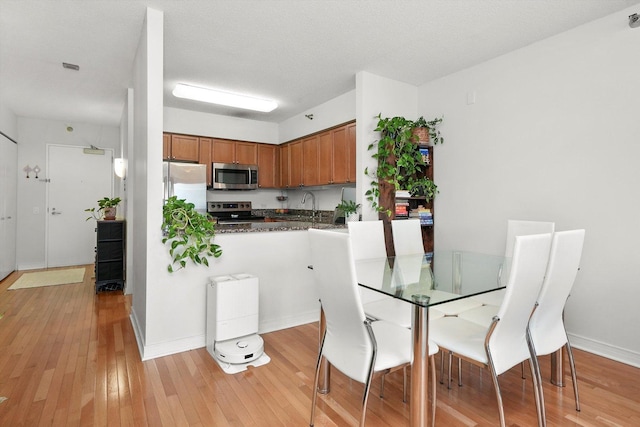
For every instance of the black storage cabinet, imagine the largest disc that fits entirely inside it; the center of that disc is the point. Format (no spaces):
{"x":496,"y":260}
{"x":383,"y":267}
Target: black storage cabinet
{"x":110,"y":255}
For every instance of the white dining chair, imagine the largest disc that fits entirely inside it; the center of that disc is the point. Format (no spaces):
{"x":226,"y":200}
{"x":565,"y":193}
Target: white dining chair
{"x":547,"y":324}
{"x":515,"y":227}
{"x":506,"y":342}
{"x":353,"y":344}
{"x":407,"y":236}
{"x":367,"y":240}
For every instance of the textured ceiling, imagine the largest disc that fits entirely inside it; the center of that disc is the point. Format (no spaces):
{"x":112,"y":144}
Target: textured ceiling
{"x":300,"y":53}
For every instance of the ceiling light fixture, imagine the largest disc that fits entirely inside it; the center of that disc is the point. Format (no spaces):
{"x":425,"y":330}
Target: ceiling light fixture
{"x":223,"y":98}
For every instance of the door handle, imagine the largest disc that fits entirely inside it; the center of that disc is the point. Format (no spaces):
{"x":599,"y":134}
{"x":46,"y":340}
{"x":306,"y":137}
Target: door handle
{"x":56,"y":213}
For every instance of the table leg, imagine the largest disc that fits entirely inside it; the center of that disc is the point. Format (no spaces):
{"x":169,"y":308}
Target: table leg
{"x":557,"y":368}
{"x":419,"y":403}
{"x":324,"y":378}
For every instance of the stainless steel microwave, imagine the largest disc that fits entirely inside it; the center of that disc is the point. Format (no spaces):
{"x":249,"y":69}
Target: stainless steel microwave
{"x":231,"y":176}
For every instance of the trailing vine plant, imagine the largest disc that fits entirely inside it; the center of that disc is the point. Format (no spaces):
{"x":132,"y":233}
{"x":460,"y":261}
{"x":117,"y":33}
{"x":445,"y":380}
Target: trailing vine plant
{"x":400,"y":162}
{"x":188,"y":233}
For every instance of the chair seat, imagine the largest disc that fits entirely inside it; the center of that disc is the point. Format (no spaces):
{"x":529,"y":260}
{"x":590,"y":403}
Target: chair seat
{"x":392,"y":345}
{"x":491,"y":298}
{"x":482,"y":315}
{"x":460,"y":336}
{"x":395,"y":311}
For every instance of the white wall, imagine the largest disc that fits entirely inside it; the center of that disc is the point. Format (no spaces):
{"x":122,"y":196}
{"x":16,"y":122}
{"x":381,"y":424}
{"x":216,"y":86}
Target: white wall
{"x":205,"y":124}
{"x":376,"y":95}
{"x":33,"y":136}
{"x":338,"y":110}
{"x":553,"y":135}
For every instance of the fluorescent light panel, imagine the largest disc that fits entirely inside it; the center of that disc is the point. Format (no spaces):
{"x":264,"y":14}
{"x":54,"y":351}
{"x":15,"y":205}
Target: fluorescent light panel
{"x":223,"y":98}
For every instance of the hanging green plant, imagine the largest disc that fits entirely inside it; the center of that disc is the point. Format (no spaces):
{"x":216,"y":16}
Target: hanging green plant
{"x":400,"y":162}
{"x":188,"y":233}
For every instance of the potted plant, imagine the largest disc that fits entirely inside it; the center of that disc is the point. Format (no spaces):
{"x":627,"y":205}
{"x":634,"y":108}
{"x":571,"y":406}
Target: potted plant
{"x":427,"y":130}
{"x":401,"y":165}
{"x":188,"y":233}
{"x":106,"y":209}
{"x":350,"y":210}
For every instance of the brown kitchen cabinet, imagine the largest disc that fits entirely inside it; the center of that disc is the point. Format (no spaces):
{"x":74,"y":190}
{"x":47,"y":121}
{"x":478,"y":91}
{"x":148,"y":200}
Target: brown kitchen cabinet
{"x":238,"y":152}
{"x":310,"y":161}
{"x":205,"y":157}
{"x":351,"y":150}
{"x":336,"y":155}
{"x":181,"y":147}
{"x":268,"y":166}
{"x":284,"y":165}
{"x":296,"y":177}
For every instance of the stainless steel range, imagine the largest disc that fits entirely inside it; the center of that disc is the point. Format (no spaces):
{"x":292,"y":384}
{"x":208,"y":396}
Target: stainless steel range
{"x":232,"y":212}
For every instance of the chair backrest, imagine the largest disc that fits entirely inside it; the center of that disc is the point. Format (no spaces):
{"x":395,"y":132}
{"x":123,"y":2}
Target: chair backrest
{"x":367,"y":239}
{"x":547,"y":325}
{"x":517,"y":227}
{"x":407,"y":236}
{"x":508,"y":342}
{"x":347,"y":344}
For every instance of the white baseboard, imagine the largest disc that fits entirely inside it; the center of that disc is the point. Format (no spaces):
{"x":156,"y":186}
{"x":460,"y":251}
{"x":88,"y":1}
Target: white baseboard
{"x":609,"y":351}
{"x":289,"y":322}
{"x":37,"y":266}
{"x":148,"y":352}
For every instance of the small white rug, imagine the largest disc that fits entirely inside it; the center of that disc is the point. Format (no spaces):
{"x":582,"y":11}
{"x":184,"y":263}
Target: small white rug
{"x":49,"y":278}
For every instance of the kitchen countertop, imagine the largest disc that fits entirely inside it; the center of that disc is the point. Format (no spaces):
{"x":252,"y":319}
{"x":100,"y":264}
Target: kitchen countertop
{"x":257,"y":227}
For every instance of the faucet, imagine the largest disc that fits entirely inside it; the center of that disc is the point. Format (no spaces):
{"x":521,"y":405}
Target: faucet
{"x":313,"y":203}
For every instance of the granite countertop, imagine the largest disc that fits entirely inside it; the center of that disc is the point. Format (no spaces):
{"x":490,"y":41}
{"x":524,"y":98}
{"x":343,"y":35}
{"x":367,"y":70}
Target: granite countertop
{"x":294,"y":220}
{"x":257,"y":227}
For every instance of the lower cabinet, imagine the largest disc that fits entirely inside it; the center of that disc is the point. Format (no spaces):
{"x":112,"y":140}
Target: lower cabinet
{"x":110,"y":255}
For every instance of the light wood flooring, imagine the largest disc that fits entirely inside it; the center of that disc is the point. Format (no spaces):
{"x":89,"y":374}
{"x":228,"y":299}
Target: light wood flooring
{"x":68,"y":357}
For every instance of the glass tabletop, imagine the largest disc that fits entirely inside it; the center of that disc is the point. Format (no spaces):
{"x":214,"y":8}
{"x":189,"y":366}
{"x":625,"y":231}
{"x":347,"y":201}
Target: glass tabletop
{"x":433,"y":278}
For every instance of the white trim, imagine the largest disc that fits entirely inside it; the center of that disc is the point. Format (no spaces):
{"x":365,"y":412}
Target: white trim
{"x":148,"y":352}
{"x":609,"y":351}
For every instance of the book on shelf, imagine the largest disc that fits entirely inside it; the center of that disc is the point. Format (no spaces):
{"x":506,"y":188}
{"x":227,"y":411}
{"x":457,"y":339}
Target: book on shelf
{"x":402,"y":194}
{"x":424,"y":152}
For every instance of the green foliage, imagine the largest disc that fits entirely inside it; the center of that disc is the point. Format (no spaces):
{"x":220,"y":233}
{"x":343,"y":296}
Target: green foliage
{"x":432,"y":126}
{"x":348,"y":207}
{"x":188,"y":234}
{"x":103,"y":203}
{"x":400,"y":162}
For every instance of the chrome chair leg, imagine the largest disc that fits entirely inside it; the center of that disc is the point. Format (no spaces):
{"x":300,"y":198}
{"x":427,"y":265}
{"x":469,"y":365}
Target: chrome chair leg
{"x":433,"y":391}
{"x":573,"y":375}
{"x":537,"y":381}
{"x":496,"y":386}
{"x":315,"y":386}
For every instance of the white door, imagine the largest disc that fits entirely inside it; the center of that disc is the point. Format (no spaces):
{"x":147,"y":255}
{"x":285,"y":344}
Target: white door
{"x":8,"y":209}
{"x":77,"y":181}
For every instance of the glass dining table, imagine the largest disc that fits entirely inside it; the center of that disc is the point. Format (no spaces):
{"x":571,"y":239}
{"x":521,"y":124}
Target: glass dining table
{"x":423,"y":281}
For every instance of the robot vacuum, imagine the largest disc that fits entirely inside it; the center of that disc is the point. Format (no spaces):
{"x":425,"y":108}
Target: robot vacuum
{"x":239,"y":350}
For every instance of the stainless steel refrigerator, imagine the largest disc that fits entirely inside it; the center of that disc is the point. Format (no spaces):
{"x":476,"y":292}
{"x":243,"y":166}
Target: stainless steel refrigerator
{"x":187,"y":181}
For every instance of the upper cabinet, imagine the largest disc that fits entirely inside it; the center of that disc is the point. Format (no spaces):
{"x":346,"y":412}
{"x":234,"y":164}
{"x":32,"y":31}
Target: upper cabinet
{"x":205,"y":157}
{"x":327,"y":157}
{"x":184,"y":148}
{"x":239,"y":152}
{"x":337,"y":155}
{"x":268,"y":166}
